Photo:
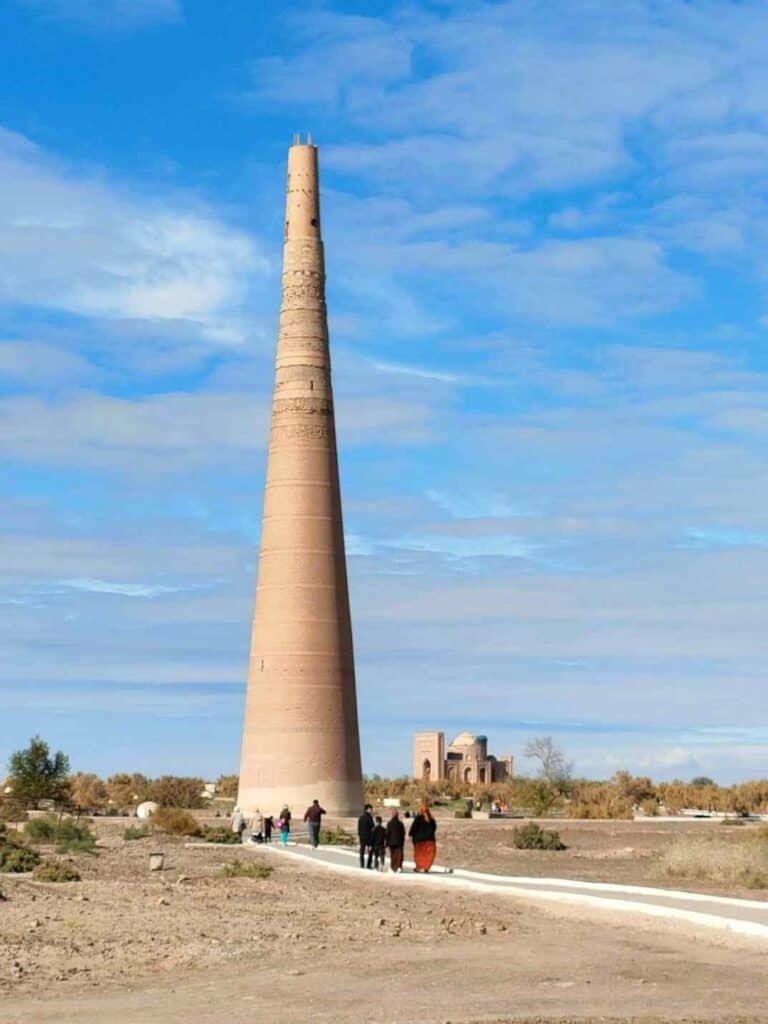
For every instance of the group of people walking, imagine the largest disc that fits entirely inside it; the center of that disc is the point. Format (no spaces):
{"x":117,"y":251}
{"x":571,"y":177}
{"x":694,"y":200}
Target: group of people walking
{"x":261,"y":826}
{"x":374,"y":836}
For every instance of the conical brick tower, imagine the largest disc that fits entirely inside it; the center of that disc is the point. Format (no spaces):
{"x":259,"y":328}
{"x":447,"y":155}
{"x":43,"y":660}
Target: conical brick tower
{"x":300,"y":736}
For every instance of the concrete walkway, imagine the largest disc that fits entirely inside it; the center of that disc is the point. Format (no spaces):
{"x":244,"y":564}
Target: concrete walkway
{"x":743,"y":917}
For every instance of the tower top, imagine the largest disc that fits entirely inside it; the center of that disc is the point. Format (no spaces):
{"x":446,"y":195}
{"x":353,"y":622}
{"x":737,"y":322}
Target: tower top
{"x":297,"y":140}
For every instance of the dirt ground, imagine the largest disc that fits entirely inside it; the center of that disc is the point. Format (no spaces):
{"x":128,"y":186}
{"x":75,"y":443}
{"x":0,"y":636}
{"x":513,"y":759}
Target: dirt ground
{"x":186,"y":945}
{"x":599,"y":851}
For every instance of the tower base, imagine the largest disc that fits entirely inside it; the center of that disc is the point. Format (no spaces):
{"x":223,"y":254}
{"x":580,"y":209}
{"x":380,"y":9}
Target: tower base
{"x":340,"y":799}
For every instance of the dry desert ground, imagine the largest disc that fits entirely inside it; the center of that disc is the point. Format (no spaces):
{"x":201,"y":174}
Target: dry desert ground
{"x":184,"y":944}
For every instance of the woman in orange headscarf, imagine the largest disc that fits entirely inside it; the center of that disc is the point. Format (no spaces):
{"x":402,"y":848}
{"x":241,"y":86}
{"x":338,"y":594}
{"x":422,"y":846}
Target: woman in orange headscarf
{"x":422,"y":832}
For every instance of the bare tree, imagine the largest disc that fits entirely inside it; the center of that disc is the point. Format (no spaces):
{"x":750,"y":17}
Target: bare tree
{"x":553,"y":767}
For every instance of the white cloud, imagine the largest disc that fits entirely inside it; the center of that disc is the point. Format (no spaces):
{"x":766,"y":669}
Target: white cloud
{"x":415,"y":371}
{"x":72,"y":241}
{"x":94,"y":586}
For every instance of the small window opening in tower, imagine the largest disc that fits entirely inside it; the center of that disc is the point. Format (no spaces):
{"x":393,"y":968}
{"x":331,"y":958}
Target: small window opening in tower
{"x":313,"y":222}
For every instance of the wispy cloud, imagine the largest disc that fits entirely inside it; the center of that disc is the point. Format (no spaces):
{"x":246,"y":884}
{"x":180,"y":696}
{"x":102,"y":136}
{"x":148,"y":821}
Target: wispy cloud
{"x":415,"y":371}
{"x":92,"y":586}
{"x":69,"y":240}
{"x":108,"y":15}
{"x":724,"y":537}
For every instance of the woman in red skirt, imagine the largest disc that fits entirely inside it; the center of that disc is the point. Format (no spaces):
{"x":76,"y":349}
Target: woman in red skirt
{"x":422,"y":832}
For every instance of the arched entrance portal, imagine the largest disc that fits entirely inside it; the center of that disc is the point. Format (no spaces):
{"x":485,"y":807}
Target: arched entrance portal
{"x":426,"y":769}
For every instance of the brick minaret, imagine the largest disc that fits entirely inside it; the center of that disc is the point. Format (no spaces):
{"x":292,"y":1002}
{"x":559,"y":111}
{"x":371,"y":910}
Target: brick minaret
{"x":300,"y":736}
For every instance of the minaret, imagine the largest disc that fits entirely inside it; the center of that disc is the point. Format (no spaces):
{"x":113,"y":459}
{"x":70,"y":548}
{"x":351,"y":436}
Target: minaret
{"x":300,"y":736}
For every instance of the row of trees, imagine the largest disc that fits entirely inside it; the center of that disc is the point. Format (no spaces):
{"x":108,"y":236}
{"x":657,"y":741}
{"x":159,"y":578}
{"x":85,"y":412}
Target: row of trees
{"x":36,"y":774}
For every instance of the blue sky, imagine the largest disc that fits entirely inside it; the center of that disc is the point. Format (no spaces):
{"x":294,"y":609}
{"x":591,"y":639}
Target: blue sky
{"x":546,"y":234}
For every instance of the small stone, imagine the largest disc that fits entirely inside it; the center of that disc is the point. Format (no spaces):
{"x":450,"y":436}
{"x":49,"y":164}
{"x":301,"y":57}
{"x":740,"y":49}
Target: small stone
{"x":35,"y":923}
{"x":482,"y":930}
{"x":162,"y":902}
{"x":382,"y":922}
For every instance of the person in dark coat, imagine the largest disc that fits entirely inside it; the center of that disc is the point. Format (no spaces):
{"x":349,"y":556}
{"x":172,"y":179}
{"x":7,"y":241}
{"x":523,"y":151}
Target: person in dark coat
{"x":269,"y":824}
{"x":422,"y":832}
{"x":379,"y":844}
{"x":314,"y":817}
{"x":394,"y":837}
{"x":365,"y":835}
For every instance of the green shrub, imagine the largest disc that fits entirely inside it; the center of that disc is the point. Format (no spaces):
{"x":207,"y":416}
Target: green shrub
{"x":237,"y":869}
{"x":337,"y":837}
{"x":69,"y":835}
{"x":132,"y":832}
{"x":175,"y":822}
{"x":75,"y":837}
{"x":55,"y":871}
{"x":43,"y":830}
{"x":462,"y":814}
{"x":532,"y":837}
{"x":219,"y":834}
{"x":17,"y":859}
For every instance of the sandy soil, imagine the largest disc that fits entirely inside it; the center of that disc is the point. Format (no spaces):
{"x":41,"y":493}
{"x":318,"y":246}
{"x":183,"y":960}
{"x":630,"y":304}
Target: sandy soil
{"x":600,"y":851}
{"x":125,"y":945}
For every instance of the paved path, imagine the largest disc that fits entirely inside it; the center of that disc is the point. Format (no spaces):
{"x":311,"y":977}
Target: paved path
{"x":744,"y":917}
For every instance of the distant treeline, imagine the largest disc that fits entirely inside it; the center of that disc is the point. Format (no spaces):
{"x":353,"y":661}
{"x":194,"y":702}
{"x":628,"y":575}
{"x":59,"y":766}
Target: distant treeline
{"x":36,"y":775}
{"x":583,"y":798}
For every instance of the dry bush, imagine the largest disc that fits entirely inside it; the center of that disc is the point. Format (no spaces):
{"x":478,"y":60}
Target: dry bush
{"x":532,"y":837}
{"x":226,"y":786}
{"x":598,"y":800}
{"x":88,"y":792}
{"x":177,"y":791}
{"x":55,"y":871}
{"x":712,"y":859}
{"x":237,"y":869}
{"x":12,"y":810}
{"x":337,"y":836}
{"x":126,"y":791}
{"x":175,"y":822}
{"x":220,"y":834}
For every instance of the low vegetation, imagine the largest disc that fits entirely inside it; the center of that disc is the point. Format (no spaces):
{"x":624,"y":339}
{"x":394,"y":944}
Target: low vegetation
{"x":716,"y":859}
{"x":175,"y":822}
{"x":55,"y":871}
{"x":237,"y":869}
{"x":18,"y":859}
{"x":70,"y":836}
{"x":226,"y":786}
{"x":532,"y":837}
{"x":337,"y":836}
{"x":137,"y":832}
{"x":219,"y":834}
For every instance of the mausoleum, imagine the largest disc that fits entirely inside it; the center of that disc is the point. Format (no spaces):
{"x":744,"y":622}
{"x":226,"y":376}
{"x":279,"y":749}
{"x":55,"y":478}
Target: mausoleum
{"x":466,"y":759}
